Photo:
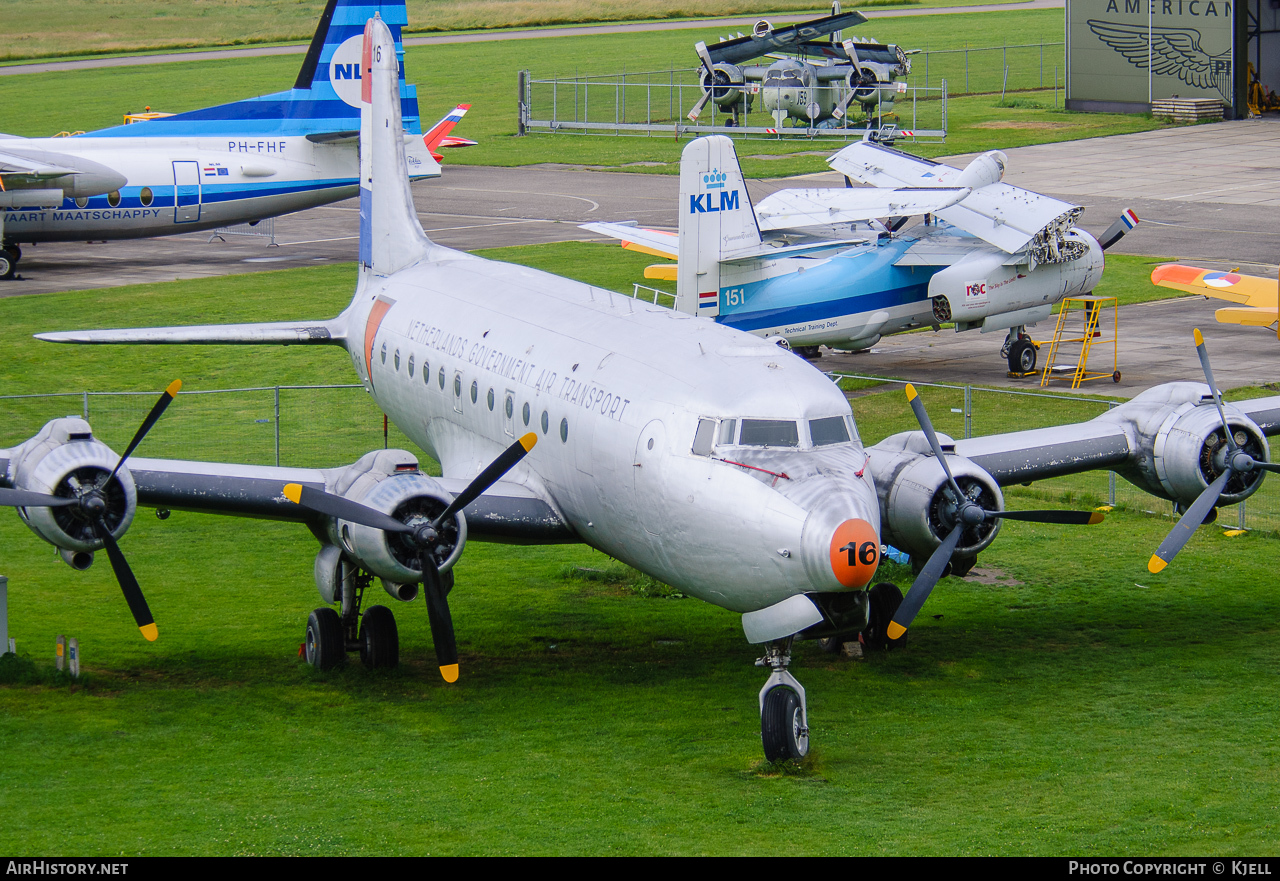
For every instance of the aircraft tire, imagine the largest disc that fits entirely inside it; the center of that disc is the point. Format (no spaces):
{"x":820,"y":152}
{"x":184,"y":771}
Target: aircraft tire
{"x":1022,"y":356}
{"x":884,"y":600}
{"x":831,"y":644}
{"x":325,"y":646}
{"x":8,"y":264}
{"x":782,"y":726}
{"x":379,"y":639}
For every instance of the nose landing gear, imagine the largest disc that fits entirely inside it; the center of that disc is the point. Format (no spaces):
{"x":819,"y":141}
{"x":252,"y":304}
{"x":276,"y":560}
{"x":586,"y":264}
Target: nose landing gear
{"x":784,"y":716}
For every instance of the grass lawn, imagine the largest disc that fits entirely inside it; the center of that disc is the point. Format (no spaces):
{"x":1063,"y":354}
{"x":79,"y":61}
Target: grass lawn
{"x":1071,"y":703}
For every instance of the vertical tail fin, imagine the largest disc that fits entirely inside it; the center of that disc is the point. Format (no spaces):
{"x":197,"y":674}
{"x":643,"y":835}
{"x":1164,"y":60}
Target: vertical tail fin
{"x":324,"y":99}
{"x":716,"y":221}
{"x":391,"y":237}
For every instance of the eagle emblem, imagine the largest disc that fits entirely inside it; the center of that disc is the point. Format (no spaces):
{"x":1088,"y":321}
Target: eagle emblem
{"x":1173,"y":52}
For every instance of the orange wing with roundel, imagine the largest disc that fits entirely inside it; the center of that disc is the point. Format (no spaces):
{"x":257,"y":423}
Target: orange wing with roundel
{"x":1259,"y":297}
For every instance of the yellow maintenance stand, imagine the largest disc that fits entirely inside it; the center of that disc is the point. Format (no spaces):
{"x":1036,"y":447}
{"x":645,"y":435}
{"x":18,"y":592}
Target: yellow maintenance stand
{"x":1090,"y":309}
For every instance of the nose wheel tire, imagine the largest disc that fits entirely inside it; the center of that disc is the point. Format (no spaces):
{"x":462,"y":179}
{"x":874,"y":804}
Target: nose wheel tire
{"x":8,"y":264}
{"x":782,"y":727}
{"x":1022,"y":356}
{"x":379,"y":639}
{"x":325,"y":647}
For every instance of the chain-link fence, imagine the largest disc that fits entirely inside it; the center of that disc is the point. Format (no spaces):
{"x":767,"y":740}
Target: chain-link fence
{"x":327,"y":426}
{"x":991,"y":69}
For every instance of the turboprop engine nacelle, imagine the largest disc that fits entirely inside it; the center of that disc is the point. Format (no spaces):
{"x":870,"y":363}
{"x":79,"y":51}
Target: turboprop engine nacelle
{"x":983,"y":171}
{"x":913,"y":504}
{"x":64,"y":459}
{"x":389,"y":481}
{"x":980,"y":288}
{"x":728,"y":89}
{"x":1182,"y":447}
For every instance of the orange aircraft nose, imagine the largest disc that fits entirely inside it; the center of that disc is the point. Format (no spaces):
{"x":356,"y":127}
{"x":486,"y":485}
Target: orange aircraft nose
{"x":855,"y":553}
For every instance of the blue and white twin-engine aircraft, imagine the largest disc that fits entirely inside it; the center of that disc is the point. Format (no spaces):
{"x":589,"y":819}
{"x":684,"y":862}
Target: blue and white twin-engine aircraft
{"x":233,"y":163}
{"x":841,"y":267}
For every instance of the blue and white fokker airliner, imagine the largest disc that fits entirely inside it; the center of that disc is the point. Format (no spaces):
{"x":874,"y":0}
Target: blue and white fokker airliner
{"x":233,"y":163}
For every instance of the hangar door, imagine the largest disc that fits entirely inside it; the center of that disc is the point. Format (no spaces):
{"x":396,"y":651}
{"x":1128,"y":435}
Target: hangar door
{"x":186,"y":191}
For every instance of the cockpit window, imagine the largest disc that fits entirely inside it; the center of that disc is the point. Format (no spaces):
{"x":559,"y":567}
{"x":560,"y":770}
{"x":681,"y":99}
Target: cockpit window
{"x":769,"y":433}
{"x":728,"y":431}
{"x":831,"y":430}
{"x":705,"y":437}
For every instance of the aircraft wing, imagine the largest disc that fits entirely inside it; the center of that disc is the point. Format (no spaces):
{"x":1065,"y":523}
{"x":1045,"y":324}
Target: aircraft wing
{"x":283,"y":332}
{"x":764,"y":40}
{"x":1259,"y":297}
{"x":646,"y":241}
{"x":507,"y":511}
{"x":1006,"y":216}
{"x":788,"y":209}
{"x":14,"y":163}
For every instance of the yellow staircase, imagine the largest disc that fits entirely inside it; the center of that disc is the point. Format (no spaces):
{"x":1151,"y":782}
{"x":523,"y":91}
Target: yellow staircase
{"x":1090,"y":309}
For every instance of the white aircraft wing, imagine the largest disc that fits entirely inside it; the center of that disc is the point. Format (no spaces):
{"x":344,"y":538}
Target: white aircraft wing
{"x":14,"y":163}
{"x":647,"y":241}
{"x":1008,"y":217}
{"x":789,"y":209}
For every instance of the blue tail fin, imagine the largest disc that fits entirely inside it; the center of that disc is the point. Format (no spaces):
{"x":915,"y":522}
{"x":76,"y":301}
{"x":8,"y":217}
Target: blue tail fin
{"x":325,"y":99}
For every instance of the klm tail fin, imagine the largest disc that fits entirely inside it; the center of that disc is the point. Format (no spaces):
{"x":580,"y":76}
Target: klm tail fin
{"x":716,"y":221}
{"x":391,"y":237}
{"x":325,"y":99}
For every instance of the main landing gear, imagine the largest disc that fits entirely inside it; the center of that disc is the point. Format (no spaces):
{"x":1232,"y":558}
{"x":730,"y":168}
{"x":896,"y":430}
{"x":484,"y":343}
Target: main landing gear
{"x":331,"y":635}
{"x":1021,"y":351}
{"x":10,"y":254}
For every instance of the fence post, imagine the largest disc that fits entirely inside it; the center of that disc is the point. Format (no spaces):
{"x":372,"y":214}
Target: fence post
{"x":521,"y":109}
{"x":1242,"y":526}
{"x":86,"y":406}
{"x":966,"y":69}
{"x":4,"y":615}
{"x":1111,"y":475}
{"x":968,"y":411}
{"x":277,"y":426}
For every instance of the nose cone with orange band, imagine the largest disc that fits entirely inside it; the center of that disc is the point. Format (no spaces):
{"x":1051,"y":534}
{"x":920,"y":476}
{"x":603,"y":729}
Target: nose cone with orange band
{"x":841,"y":547}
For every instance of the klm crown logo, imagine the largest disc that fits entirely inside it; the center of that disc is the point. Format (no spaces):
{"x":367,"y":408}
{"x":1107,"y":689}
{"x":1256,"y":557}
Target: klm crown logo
{"x":705,"y":203}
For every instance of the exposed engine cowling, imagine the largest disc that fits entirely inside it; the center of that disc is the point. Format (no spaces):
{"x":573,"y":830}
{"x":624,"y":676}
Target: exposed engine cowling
{"x":728,"y":89}
{"x":65,"y":460}
{"x":917,"y":513}
{"x":414,"y":499}
{"x":865,"y":83}
{"x":1189,"y":450}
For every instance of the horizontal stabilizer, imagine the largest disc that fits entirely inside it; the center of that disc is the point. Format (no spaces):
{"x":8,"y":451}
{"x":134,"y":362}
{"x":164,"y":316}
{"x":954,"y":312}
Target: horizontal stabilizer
{"x":790,"y":209}
{"x":1249,"y":290}
{"x":650,"y":241}
{"x":286,"y":333}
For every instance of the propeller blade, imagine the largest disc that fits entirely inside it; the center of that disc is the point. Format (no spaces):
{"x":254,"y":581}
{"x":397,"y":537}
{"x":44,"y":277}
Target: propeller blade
{"x":693,"y":114}
{"x":336,"y":506}
{"x":1268,"y":466}
{"x":923,"y":585}
{"x":1068,"y":518}
{"x":489,"y":476}
{"x":18,"y":498}
{"x":1189,"y":523}
{"x":128,"y":582}
{"x":1125,"y":222}
{"x":166,"y":398}
{"x":922,"y":416}
{"x":441,"y":621}
{"x":1213,"y":388}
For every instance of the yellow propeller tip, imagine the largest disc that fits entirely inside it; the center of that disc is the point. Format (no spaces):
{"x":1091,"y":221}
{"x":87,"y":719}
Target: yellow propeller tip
{"x":528,"y":441}
{"x":1155,"y":564}
{"x":1096,"y":517}
{"x":895,"y":630}
{"x":449,"y":672}
{"x":911,"y":392}
{"x":174,"y":388}
{"x":1199,"y":337}
{"x":293,"y":492}
{"x":149,"y":632}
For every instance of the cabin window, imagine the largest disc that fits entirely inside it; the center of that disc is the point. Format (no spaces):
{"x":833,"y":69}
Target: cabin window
{"x":384,"y":353}
{"x":728,"y":431}
{"x":832,"y":430}
{"x":510,"y":406}
{"x":475,"y":391}
{"x":397,"y":359}
{"x":113,"y":198}
{"x":457,"y":385}
{"x":525,"y":413}
{"x":411,"y":365}
{"x":82,"y":202}
{"x":704,"y":438}
{"x":546,"y":421}
{"x":489,"y":399}
{"x":769,"y":433}
{"x":146,"y":197}
{"x":564,"y":431}
{"x":441,"y":379}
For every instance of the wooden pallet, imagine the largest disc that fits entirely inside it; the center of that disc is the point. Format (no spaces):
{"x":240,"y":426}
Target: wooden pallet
{"x":1188,"y":109}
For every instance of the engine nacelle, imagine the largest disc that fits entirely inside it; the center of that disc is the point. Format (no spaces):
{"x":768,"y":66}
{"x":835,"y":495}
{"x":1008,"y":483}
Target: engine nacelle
{"x":917,"y":514}
{"x":981,"y":286}
{"x":65,"y":460}
{"x":408,"y":496}
{"x":1189,"y":452}
{"x":728,"y":89}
